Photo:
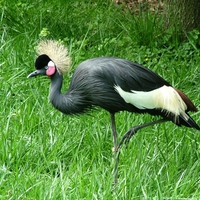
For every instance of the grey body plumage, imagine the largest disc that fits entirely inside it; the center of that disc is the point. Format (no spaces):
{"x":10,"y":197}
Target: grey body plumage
{"x":93,"y":82}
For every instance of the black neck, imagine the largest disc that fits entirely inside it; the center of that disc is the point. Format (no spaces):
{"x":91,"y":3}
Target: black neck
{"x":73,"y":102}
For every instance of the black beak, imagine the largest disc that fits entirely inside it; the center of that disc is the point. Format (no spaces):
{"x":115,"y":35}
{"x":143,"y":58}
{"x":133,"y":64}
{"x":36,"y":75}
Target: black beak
{"x":37,"y":72}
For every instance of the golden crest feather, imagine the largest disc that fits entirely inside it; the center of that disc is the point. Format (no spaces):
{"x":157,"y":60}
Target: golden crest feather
{"x":57,"y":52}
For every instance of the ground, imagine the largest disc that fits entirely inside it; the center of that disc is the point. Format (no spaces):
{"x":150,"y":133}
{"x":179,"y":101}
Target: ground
{"x":135,"y":5}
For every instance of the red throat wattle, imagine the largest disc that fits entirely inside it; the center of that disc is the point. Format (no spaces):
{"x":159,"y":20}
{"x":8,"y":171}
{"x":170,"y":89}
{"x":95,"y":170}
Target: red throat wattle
{"x":51,"y":70}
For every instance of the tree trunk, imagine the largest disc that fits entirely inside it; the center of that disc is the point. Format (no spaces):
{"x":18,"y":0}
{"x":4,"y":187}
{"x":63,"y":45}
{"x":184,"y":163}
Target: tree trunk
{"x":184,"y":14}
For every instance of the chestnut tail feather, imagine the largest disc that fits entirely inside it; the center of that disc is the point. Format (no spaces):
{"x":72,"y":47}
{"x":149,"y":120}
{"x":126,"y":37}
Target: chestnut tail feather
{"x":190,"y":105}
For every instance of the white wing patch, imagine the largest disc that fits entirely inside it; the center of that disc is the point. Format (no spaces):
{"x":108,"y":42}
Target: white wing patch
{"x":165,"y":98}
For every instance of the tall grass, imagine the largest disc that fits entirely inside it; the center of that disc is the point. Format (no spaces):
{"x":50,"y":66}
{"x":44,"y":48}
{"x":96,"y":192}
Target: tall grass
{"x":46,"y":155}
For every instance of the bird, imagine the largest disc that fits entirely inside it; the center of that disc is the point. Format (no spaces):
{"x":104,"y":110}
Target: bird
{"x":113,"y":84}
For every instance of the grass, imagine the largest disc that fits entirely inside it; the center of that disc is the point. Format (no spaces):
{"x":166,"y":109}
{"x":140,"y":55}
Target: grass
{"x":46,"y":155}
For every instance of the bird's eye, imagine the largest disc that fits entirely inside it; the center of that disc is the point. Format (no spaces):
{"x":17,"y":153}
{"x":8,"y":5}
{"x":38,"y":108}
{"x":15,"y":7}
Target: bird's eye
{"x":46,"y":67}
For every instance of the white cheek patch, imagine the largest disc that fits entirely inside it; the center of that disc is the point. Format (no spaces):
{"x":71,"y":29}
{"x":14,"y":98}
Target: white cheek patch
{"x":165,"y":98}
{"x":51,"y":64}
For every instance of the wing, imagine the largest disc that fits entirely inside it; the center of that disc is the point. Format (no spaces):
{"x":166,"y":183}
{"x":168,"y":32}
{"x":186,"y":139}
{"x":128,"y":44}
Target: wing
{"x":126,"y":74}
{"x":132,"y":76}
{"x":96,"y":80}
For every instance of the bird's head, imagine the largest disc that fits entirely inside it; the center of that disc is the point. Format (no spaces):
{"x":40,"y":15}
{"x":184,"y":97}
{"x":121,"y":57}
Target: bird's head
{"x":44,"y":66}
{"x":52,"y":57}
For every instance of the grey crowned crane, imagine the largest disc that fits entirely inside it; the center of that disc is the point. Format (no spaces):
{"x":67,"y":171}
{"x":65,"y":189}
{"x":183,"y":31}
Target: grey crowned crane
{"x":113,"y":84}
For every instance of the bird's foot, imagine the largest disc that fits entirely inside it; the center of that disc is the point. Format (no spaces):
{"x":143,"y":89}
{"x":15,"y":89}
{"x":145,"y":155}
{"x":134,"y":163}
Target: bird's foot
{"x":132,"y":131}
{"x":127,"y":136}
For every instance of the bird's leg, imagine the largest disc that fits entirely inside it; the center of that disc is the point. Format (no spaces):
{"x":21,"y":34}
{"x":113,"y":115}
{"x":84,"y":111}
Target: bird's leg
{"x":112,"y":116}
{"x":126,"y":138}
{"x":133,"y":130}
{"x":115,"y":148}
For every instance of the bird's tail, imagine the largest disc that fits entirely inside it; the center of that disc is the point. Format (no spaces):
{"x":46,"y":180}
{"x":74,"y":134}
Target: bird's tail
{"x":189,"y":122}
{"x":184,"y":118}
